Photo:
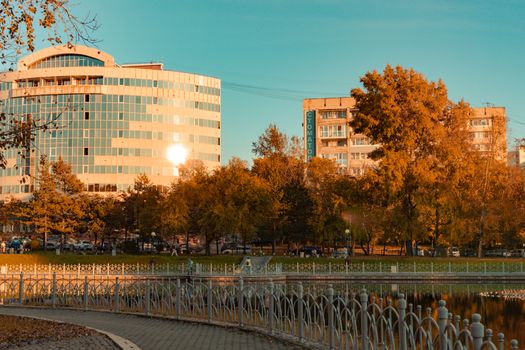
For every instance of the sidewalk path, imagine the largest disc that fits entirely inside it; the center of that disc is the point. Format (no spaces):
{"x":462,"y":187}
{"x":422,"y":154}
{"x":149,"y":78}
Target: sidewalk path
{"x":157,"y":334}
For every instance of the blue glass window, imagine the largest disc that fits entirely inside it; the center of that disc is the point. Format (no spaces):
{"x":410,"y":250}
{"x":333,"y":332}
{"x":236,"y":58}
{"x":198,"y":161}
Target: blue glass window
{"x":67,"y":61}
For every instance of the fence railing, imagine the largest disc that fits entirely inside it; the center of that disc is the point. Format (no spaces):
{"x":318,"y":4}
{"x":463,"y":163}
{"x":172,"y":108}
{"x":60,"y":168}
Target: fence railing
{"x":327,"y":318}
{"x":309,"y":268}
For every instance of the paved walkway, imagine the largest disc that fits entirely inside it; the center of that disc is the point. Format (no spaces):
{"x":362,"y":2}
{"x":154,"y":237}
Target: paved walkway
{"x":157,"y":334}
{"x":88,"y":342}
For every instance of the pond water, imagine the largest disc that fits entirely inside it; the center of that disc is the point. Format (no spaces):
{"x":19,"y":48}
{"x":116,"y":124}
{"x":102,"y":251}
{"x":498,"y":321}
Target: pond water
{"x":501,"y":306}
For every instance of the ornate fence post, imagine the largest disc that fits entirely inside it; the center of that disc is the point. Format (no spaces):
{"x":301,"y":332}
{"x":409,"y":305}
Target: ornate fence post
{"x":116,"y":295}
{"x":54,"y":290}
{"x":442,"y":324}
{"x":363,"y":298}
{"x":402,"y":309}
{"x":209,"y":300}
{"x":271,"y":308}
{"x":240,"y":302}
{"x":477,"y":330}
{"x":86,"y":293}
{"x":331,"y":324}
{"x":21,"y":289}
{"x":177,"y":299}
{"x":501,"y":341}
{"x":148,"y":297}
{"x":300,"y":312}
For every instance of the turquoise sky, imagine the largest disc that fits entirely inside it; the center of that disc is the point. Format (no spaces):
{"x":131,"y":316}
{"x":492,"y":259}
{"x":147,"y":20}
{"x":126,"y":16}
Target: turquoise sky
{"x":272,"y":54}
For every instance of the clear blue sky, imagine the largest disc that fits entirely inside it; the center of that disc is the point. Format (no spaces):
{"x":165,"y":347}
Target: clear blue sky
{"x":285,"y":50}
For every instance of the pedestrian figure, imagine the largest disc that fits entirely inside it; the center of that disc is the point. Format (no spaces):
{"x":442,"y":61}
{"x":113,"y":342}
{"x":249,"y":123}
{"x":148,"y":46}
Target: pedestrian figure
{"x":190,"y":266}
{"x":174,"y":249}
{"x":249,"y":264}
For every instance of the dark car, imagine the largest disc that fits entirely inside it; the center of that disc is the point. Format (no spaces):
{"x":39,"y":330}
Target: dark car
{"x":235,"y":248}
{"x":308,"y":251}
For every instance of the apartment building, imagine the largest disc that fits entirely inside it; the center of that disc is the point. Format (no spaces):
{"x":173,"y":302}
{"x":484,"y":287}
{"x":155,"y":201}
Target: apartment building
{"x":328,"y":135}
{"x":488,"y":129}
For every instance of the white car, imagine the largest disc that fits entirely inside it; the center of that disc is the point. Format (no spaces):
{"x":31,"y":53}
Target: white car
{"x":83,"y":245}
{"x":52,"y":244}
{"x":454,"y":251}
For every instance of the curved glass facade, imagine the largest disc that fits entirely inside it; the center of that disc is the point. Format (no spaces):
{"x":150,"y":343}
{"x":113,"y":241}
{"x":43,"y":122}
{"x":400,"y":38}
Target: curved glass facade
{"x":67,"y":61}
{"x":111,"y":123}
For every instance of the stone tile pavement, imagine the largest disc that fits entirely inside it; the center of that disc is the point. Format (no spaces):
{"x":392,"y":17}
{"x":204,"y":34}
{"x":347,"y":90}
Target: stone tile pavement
{"x":91,"y":342}
{"x":157,"y":334}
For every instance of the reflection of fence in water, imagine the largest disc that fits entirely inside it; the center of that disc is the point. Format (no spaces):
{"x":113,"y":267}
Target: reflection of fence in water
{"x":332,"y":317}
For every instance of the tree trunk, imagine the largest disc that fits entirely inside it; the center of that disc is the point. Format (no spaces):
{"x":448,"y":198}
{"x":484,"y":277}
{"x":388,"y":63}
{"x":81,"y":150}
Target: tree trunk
{"x":480,"y":242}
{"x":481,"y":234}
{"x":408,"y":247}
{"x":436,"y":233}
{"x":208,"y":243}
{"x":273,"y":239}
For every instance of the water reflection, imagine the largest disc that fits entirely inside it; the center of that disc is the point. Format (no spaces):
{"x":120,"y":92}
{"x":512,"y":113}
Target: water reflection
{"x":506,"y":315}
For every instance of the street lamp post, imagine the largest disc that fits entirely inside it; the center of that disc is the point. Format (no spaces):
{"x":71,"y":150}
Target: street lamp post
{"x":348,"y":239}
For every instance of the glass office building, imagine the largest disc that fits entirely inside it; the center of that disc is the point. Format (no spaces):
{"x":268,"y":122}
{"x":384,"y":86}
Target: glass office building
{"x":110,"y":122}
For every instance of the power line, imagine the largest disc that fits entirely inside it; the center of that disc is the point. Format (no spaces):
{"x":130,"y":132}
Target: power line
{"x":283,"y":94}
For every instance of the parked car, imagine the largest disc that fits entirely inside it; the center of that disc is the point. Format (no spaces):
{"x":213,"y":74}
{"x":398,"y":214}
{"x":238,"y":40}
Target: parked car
{"x":469,"y":252}
{"x":193,"y":249}
{"x":519,"y":253}
{"x":234,"y":248}
{"x":83,"y":245}
{"x":498,"y":252}
{"x":52,"y":244}
{"x":308,"y":251}
{"x":454,"y":251}
{"x":69,"y":244}
{"x":340,"y":252}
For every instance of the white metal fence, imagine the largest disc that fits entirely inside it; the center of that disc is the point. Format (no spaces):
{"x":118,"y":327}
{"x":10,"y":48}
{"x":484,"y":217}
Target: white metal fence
{"x":307,"y":268}
{"x":324,"y":318}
